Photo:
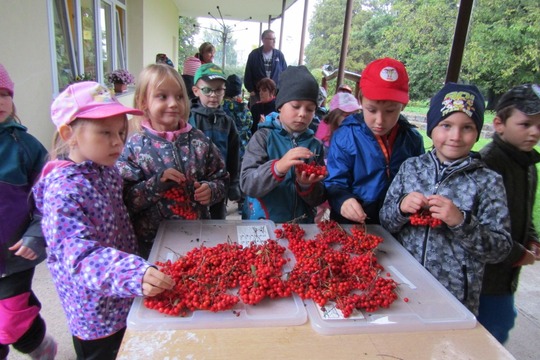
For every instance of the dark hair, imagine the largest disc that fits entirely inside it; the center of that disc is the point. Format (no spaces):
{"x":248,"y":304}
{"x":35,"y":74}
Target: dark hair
{"x":266,"y":32}
{"x":505,"y":113}
{"x":268,"y":84}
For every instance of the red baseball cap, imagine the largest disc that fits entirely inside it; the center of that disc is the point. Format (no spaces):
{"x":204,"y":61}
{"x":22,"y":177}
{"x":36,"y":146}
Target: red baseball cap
{"x":385,"y":79}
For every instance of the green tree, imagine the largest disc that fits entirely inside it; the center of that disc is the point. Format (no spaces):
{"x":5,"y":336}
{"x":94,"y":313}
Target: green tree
{"x":187,"y":30}
{"x":326,"y":31}
{"x":504,"y":46}
{"x":420,"y":36}
{"x":216,"y":35}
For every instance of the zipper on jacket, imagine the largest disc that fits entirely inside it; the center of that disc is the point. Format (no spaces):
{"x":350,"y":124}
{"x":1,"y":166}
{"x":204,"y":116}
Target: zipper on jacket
{"x":465,"y":283}
{"x":295,"y":202}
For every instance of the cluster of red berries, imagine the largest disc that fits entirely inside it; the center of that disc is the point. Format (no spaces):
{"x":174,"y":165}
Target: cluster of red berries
{"x":205,"y":278}
{"x":312,"y":168}
{"x":423,"y":218}
{"x":339,"y":267}
{"x":182,"y":205}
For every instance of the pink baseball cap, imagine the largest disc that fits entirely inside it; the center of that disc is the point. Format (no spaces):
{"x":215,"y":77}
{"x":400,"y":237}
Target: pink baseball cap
{"x":345,"y":102}
{"x":89,"y":100}
{"x":5,"y":81}
{"x":385,"y":79}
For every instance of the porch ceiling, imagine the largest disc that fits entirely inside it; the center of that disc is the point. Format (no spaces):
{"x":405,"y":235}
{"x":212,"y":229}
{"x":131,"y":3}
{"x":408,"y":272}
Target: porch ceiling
{"x":259,"y":10}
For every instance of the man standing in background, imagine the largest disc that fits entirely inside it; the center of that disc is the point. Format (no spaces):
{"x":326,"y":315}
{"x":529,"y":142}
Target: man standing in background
{"x":263,"y":62}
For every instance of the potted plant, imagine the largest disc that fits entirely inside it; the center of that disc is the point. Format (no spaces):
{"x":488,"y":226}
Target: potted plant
{"x":121,"y":78}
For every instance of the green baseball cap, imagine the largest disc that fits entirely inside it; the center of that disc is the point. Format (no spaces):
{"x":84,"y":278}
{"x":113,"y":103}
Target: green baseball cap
{"x":209,"y":71}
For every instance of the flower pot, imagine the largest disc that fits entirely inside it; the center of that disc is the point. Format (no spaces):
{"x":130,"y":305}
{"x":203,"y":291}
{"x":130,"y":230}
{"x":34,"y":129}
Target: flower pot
{"x":120,"y":88}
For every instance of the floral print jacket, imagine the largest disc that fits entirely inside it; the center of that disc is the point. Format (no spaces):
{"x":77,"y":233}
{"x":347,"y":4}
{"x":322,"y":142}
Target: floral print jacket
{"x":142,"y":163}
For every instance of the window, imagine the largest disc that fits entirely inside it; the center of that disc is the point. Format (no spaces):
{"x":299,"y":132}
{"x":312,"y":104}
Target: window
{"x":89,"y":39}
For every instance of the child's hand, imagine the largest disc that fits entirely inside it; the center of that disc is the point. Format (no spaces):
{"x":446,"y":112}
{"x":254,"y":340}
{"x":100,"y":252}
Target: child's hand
{"x":172,"y":174}
{"x":305,"y":180}
{"x":262,"y":119}
{"x":155,"y":282}
{"x":23,"y":251}
{"x":352,"y":210}
{"x":528,"y":259}
{"x":203,"y":193}
{"x":295,"y":156}
{"x":413,"y":202}
{"x":534,"y":247}
{"x":445,"y":210}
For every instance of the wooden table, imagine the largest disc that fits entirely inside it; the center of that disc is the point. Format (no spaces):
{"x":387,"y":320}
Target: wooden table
{"x":301,"y":342}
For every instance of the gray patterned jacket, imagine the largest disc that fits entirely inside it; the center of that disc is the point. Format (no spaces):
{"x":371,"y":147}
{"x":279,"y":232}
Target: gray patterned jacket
{"x":454,"y":255}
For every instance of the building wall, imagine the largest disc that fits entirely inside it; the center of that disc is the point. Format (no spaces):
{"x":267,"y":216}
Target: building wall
{"x":26,"y":54}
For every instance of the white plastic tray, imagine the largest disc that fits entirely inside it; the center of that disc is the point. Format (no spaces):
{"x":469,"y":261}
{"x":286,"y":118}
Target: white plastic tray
{"x":429,"y":307}
{"x":175,"y":237}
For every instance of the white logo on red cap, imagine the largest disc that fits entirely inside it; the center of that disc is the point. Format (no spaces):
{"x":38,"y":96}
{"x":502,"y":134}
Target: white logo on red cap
{"x":389,"y":74}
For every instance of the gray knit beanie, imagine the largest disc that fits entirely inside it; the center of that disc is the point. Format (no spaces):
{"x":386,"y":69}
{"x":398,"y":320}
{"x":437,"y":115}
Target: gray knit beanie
{"x":296,"y":83}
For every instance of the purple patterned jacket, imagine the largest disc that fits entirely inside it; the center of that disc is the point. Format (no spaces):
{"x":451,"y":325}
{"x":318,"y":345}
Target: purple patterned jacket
{"x":91,"y":245}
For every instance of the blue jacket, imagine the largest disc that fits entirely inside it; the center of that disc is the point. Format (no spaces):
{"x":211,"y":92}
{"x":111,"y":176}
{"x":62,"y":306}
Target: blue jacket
{"x":255,"y":68}
{"x":357,"y":167}
{"x":22,"y":157}
{"x":269,"y":196}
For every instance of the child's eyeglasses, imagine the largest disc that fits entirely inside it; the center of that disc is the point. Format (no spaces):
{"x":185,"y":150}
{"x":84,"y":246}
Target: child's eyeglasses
{"x":209,"y":91}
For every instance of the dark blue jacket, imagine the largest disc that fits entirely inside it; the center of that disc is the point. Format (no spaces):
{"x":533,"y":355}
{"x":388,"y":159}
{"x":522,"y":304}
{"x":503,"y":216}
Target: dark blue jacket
{"x":357,"y":167}
{"x":22,"y":158}
{"x":255,"y":68}
{"x":219,"y":128}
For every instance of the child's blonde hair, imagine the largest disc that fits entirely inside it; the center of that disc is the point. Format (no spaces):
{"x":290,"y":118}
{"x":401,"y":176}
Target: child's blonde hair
{"x":149,"y":79}
{"x":60,"y":147}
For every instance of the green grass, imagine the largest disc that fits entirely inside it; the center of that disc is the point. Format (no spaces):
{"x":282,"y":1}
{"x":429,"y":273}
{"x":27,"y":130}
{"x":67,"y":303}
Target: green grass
{"x":479,"y":145}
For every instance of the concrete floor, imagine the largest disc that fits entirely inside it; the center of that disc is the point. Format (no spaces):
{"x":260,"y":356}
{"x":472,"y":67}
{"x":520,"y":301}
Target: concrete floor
{"x":523,"y":343}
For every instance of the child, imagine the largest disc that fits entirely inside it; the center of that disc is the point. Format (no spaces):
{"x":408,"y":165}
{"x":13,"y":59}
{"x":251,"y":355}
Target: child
{"x":166,"y":152}
{"x":208,"y":116}
{"x":512,"y":155}
{"x":22,"y":246}
{"x":457,"y":189}
{"x":236,"y":108}
{"x":266,"y":90}
{"x":368,"y":148}
{"x":86,"y":224}
{"x":274,"y":188}
{"x":191,"y":64}
{"x":342,"y":105}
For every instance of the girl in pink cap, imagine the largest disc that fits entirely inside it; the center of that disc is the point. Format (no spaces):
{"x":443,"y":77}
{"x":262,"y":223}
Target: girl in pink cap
{"x":22,"y":246}
{"x":342,"y":105}
{"x":91,"y":240}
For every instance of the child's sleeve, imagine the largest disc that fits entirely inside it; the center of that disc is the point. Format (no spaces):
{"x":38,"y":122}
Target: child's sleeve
{"x":340,"y":165}
{"x":257,"y":177}
{"x":215,"y":173}
{"x":485,"y":232}
{"x":390,"y":215}
{"x":140,"y":192}
{"x":233,"y":161}
{"x":73,"y":236}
